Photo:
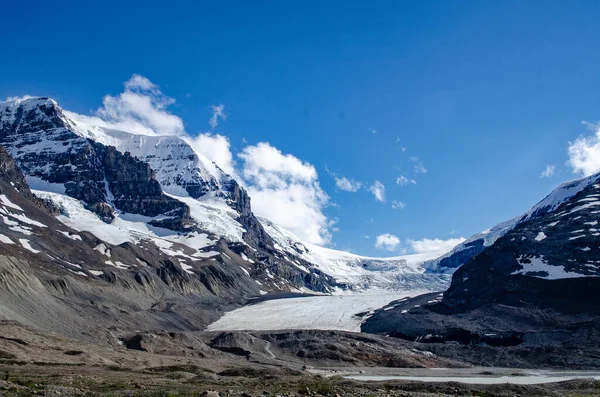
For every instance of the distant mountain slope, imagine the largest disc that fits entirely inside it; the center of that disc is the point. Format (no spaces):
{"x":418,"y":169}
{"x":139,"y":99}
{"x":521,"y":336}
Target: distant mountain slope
{"x":535,"y":286}
{"x":157,"y":187}
{"x":113,"y":192}
{"x":555,"y":241}
{"x":360,"y":272}
{"x":471,"y":247}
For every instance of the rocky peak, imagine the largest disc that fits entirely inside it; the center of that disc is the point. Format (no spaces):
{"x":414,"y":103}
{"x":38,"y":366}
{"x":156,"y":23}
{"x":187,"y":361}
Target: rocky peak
{"x":549,"y":258}
{"x":49,"y":151}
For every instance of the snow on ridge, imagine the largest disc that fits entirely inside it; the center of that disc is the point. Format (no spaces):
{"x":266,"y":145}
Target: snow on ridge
{"x":122,"y":229}
{"x":171,"y":157}
{"x":357,"y":271}
{"x":559,"y":195}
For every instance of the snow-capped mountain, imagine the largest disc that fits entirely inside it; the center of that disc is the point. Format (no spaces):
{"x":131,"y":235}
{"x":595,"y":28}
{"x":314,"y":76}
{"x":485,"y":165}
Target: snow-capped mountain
{"x":474,"y":245}
{"x":556,"y":240}
{"x":131,"y":188}
{"x":399,"y":272}
{"x":534,"y":290}
{"x":105,"y":182}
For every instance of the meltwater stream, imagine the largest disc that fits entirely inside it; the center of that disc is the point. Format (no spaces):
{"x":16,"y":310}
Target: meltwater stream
{"x":520,"y":379}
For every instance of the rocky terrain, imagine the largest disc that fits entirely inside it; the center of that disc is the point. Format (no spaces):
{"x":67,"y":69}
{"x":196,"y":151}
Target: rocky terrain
{"x":532,"y":294}
{"x":117,"y":250}
{"x":228,"y":364}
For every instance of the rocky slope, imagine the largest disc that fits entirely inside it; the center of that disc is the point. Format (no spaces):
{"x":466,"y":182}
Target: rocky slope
{"x":50,"y":271}
{"x":536,"y":286}
{"x":149,"y":183}
{"x":144,"y":188}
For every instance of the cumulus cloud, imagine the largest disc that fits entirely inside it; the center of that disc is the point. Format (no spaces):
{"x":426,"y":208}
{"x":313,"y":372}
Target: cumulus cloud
{"x":584,"y":152}
{"x":434,"y":246}
{"x":286,"y":190}
{"x":218,"y":112}
{"x":216,"y":148}
{"x":348,"y":185}
{"x":548,"y":172}
{"x":17,"y":98}
{"x":396,"y":204}
{"x":141,"y":108}
{"x":378,"y":190}
{"x":387,"y":241}
{"x":403,"y":181}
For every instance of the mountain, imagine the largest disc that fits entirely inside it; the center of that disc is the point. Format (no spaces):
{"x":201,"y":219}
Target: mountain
{"x":449,"y":262}
{"x":99,"y":221}
{"x":151,"y":186}
{"x":474,"y":245}
{"x":535,"y":287}
{"x":360,"y":272}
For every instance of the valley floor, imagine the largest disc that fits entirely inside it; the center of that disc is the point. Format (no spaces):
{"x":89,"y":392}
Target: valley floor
{"x":330,"y":312}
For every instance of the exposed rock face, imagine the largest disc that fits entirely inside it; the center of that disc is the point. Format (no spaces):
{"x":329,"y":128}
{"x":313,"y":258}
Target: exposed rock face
{"x":41,"y":140}
{"x":549,"y":259}
{"x":536,"y":286}
{"x":49,"y":272}
{"x":182,"y":172}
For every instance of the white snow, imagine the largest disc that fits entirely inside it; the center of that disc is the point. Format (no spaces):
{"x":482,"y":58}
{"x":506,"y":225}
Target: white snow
{"x":125,"y":228}
{"x":72,"y":236}
{"x":27,"y":246}
{"x":332,"y":312}
{"x":21,"y":229}
{"x":245,"y":271}
{"x":4,"y":239}
{"x":540,"y":236}
{"x":359,"y":271}
{"x":489,"y":237}
{"x":96,"y":272}
{"x":559,"y":196}
{"x":538,"y":264}
{"x":8,"y":203}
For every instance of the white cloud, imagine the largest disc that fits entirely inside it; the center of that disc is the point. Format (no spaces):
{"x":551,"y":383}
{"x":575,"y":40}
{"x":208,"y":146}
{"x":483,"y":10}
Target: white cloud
{"x":387,"y":241}
{"x":216,"y":148}
{"x":396,"y":204}
{"x":139,"y":82}
{"x":143,"y":109}
{"x":18,"y":98}
{"x":373,"y":131}
{"x":419,"y":167}
{"x":286,"y":190}
{"x":140,"y":109}
{"x":378,"y":190}
{"x":283,"y":188}
{"x":218,"y":112}
{"x":434,"y":246}
{"x":348,"y":185}
{"x":584,"y":152}
{"x":548,"y":172}
{"x":403,"y":181}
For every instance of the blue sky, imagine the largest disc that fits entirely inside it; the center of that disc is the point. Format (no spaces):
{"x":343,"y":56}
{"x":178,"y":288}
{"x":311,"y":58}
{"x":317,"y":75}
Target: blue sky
{"x":485,"y":95}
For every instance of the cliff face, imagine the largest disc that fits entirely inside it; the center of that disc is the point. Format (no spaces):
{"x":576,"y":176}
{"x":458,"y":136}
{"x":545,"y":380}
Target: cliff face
{"x":144,"y":189}
{"x":42,"y":142}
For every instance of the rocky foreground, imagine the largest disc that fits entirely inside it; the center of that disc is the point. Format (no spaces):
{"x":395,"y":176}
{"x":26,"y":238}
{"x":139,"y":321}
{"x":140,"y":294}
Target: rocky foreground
{"x":229,"y":364}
